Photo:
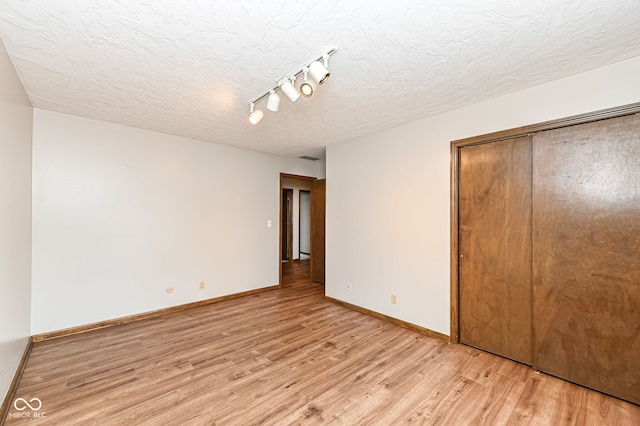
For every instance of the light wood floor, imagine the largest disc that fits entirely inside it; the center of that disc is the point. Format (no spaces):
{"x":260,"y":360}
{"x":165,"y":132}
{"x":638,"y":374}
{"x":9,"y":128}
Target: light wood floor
{"x":288,"y":356}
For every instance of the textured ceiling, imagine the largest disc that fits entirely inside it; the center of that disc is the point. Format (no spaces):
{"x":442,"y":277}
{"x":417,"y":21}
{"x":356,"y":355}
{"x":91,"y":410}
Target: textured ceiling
{"x":191,"y":68}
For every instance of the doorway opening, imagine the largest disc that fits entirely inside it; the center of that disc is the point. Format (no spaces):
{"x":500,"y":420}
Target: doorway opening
{"x":302,"y":228}
{"x":287,"y":224}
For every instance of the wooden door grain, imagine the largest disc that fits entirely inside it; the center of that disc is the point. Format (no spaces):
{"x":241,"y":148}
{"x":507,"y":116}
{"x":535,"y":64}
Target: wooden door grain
{"x":586,"y":254}
{"x":495,"y":247}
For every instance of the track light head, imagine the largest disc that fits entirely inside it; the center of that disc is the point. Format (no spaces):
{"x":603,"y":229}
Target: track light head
{"x":319,"y":71}
{"x":273,"y":102}
{"x":306,"y":88}
{"x":255,"y":116}
{"x":288,"y":89}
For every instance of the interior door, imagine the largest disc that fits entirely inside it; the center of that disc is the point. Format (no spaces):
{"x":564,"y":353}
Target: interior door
{"x":586,"y":256}
{"x":495,"y":306}
{"x":318,"y":194}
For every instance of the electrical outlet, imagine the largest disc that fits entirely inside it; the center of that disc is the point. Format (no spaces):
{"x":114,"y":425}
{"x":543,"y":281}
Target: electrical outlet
{"x":169,"y":289}
{"x":348,"y":286}
{"x":394,"y":298}
{"x":202,"y":285}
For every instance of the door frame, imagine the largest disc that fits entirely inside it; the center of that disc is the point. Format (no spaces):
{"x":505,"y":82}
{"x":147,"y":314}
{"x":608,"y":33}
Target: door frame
{"x":287,"y":176}
{"x":457,"y":145}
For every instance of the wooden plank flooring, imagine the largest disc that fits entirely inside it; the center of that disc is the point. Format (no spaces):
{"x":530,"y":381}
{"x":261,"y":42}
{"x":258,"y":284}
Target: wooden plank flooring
{"x":288,"y":356}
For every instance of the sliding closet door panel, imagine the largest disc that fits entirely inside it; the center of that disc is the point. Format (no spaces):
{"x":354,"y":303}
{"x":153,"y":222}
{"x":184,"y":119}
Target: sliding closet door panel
{"x":586,"y":255}
{"x":495,"y":247}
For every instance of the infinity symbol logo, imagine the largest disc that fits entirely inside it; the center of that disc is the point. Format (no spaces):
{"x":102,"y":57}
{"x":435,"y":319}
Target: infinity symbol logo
{"x":26,"y":404}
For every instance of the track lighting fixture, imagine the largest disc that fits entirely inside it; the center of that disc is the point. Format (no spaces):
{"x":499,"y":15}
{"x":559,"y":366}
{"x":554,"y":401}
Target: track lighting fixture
{"x":316,"y":69}
{"x":289,"y":89}
{"x":319,"y":71}
{"x":306,"y":88}
{"x":273,"y":102}
{"x":255,"y":116}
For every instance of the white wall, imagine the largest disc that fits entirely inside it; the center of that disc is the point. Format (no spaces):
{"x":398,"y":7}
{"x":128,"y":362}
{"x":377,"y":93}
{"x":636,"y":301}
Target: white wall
{"x":321,"y":169}
{"x":16,"y":118}
{"x":388,"y":193}
{"x":120,"y":214}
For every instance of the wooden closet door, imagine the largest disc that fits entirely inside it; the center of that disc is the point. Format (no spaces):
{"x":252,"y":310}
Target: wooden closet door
{"x":495,"y":247}
{"x":586,"y":255}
